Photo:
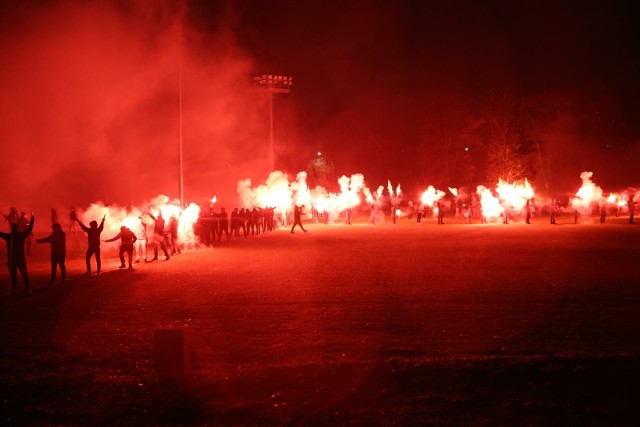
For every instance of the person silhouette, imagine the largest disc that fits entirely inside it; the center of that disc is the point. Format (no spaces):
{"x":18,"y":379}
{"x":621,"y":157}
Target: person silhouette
{"x":141,"y":242}
{"x":16,"y":259}
{"x":224,"y":224}
{"x":440,"y":206}
{"x":158,"y":236}
{"x":552,"y":212}
{"x":23,"y":224}
{"x":127,"y":238}
{"x":12,"y":217}
{"x":58,"y":241}
{"x":54,"y":216}
{"x":93,"y":239}
{"x":297,"y":218}
{"x":174,"y":224}
{"x":72,"y":221}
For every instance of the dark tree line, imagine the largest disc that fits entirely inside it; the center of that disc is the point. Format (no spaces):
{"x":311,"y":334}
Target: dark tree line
{"x":515,"y":137}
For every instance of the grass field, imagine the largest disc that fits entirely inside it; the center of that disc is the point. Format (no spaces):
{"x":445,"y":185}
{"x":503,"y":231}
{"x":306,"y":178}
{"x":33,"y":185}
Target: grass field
{"x":367,"y":325}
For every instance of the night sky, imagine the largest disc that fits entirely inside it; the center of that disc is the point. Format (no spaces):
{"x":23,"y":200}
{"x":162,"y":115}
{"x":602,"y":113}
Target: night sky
{"x":89,"y":108}
{"x":369,"y":75}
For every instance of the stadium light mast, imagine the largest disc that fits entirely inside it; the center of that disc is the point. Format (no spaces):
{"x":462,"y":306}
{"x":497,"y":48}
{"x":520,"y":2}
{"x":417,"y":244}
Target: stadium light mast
{"x":181,"y":186}
{"x":274,"y":84}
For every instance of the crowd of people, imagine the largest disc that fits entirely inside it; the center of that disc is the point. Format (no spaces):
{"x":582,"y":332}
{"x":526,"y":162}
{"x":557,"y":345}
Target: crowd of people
{"x":20,"y":237}
{"x":212,"y":226}
{"x":211,"y":229}
{"x":472,"y":211}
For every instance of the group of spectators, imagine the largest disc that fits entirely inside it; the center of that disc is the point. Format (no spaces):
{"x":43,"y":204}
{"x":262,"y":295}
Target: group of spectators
{"x":212,"y":225}
{"x":18,"y":239}
{"x":209,"y":229}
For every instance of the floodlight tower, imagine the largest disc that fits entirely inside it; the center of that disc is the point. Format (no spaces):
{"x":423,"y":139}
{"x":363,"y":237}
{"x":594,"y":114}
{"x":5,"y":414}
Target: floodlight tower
{"x":274,"y":84}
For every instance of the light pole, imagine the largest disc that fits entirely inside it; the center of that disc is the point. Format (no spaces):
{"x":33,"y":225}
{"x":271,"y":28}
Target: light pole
{"x":274,"y":84}
{"x":182,"y":14}
{"x":181,"y":186}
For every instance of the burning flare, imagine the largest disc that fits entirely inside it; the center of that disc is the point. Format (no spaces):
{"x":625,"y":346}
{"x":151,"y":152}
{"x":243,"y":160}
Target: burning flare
{"x":514,"y":196}
{"x":587,"y":196}
{"x":489,"y":204}
{"x":431,"y":196}
{"x":129,"y":216}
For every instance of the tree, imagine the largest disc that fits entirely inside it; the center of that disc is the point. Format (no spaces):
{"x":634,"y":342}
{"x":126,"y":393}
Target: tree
{"x":545,"y":117}
{"x":503,"y":140}
{"x":321,"y":171}
{"x":446,"y":151}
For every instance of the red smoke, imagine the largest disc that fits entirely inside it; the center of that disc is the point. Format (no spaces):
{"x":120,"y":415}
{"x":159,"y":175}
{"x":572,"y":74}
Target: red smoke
{"x":90,"y":106}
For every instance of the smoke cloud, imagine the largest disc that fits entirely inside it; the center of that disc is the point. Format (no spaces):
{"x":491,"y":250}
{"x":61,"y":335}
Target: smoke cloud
{"x":96,"y":95}
{"x":90,"y":105}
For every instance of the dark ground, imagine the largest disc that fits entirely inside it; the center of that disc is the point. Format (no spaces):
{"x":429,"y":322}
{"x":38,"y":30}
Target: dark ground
{"x":362,"y":325}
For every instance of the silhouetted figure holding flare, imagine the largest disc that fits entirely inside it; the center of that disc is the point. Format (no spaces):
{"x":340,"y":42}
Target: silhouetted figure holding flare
{"x":127,"y":238}
{"x":58,"y":241}
{"x":93,"y":239}
{"x":16,"y":259}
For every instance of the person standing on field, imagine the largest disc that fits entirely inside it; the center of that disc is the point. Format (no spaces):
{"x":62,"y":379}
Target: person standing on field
{"x":141,"y":240}
{"x":440,"y":212}
{"x":174,"y":235}
{"x":297,"y":218}
{"x":127,"y":239}
{"x":158,"y":236}
{"x":93,"y":239}
{"x":16,"y":259}
{"x":58,"y":241}
{"x":23,"y":224}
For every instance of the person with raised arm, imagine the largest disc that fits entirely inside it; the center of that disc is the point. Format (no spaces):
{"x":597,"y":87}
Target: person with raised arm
{"x":158,"y":236}
{"x":93,"y":239}
{"x":16,"y":259}
{"x":58,"y":241}
{"x":128,"y":238}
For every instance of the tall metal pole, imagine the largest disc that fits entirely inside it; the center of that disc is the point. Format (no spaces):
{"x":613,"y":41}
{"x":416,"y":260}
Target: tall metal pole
{"x":274,"y":84}
{"x":271,"y":153}
{"x":181,"y":189}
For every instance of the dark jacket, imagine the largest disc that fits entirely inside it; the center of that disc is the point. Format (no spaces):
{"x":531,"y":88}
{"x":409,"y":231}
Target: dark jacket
{"x":58,"y":241}
{"x":15,"y":241}
{"x":158,"y":228}
{"x":126,"y":235}
{"x":93,"y":234}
